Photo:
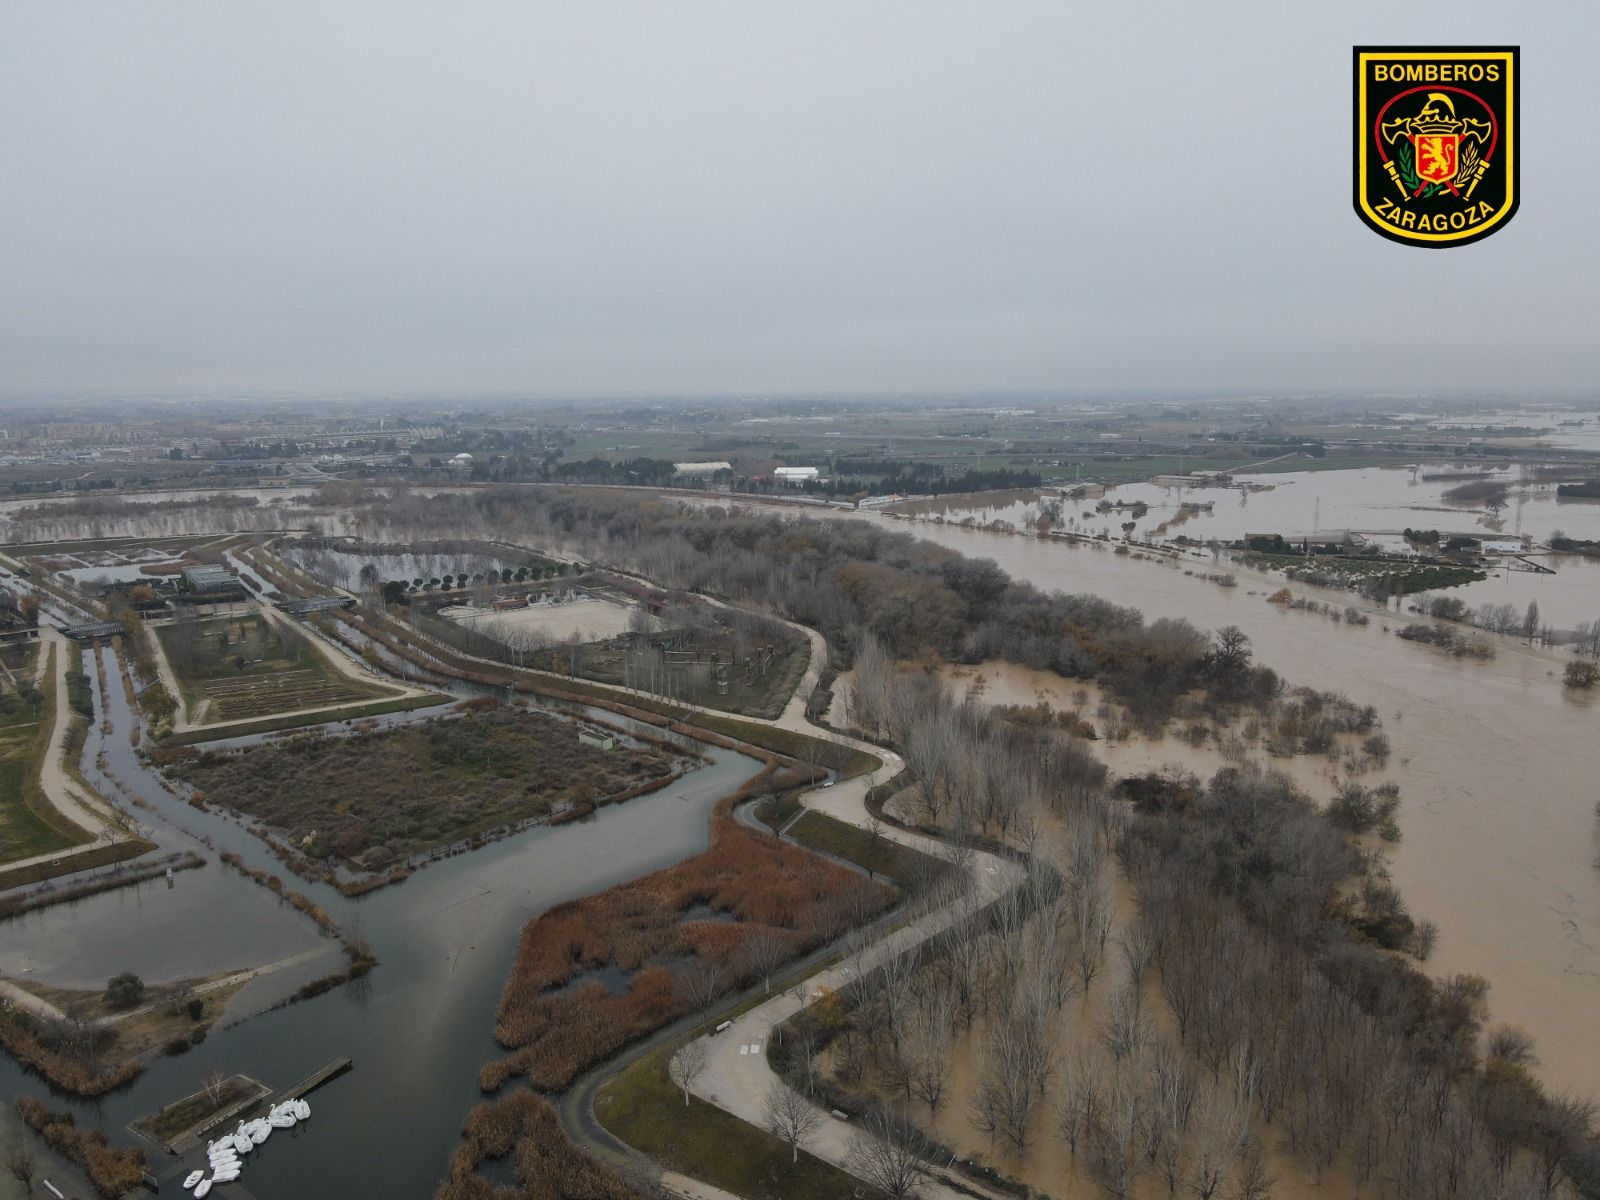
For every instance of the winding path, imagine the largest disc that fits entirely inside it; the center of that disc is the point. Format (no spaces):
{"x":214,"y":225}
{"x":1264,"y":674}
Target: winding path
{"x":738,"y":1078}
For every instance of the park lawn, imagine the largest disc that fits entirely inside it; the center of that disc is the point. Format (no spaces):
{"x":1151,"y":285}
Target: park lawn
{"x":210,"y":660}
{"x":779,"y":810}
{"x":880,"y":856}
{"x":147,"y":1025}
{"x":23,"y":832}
{"x":29,"y":826}
{"x":165,"y":545}
{"x":644,"y":1108}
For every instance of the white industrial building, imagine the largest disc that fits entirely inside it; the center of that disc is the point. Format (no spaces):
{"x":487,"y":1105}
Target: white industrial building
{"x":700,"y":470}
{"x":795,"y":474}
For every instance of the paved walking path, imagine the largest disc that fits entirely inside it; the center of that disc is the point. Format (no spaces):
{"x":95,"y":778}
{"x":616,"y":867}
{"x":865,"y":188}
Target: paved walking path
{"x":738,"y":1078}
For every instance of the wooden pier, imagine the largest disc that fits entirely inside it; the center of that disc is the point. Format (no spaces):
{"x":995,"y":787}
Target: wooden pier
{"x":314,"y":1080}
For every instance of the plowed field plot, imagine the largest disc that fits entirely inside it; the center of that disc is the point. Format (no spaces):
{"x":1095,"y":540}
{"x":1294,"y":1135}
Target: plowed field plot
{"x":243,"y":668}
{"x":283,"y":691}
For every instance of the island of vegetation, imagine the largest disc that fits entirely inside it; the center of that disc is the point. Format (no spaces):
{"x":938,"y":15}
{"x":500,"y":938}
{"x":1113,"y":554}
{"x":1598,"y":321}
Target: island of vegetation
{"x":371,"y":800}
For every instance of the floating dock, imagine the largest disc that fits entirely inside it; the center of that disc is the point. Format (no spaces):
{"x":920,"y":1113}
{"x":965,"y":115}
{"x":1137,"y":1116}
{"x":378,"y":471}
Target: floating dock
{"x":191,"y":1149}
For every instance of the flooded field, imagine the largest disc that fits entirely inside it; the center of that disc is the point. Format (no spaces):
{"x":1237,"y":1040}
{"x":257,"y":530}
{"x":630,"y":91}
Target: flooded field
{"x":1374,"y":501}
{"x":1568,"y":429}
{"x":177,"y":513}
{"x":1493,"y":760}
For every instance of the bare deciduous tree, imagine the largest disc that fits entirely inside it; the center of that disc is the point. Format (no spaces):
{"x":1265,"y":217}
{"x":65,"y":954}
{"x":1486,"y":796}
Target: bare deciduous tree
{"x":20,"y":1163}
{"x":790,"y":1116}
{"x":688,"y":1064}
{"x":700,"y":982}
{"x":213,"y":1083}
{"x":889,"y":1155}
{"x":765,"y":951}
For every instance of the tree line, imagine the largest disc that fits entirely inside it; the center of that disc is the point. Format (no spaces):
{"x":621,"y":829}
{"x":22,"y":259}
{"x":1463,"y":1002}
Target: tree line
{"x":843,"y":575}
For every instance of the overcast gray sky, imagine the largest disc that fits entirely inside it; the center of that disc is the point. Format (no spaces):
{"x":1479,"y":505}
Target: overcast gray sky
{"x":598,"y":197}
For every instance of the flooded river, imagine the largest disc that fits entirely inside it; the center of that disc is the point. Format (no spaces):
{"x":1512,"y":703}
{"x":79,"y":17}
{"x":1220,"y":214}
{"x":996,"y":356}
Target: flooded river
{"x":1496,"y":763}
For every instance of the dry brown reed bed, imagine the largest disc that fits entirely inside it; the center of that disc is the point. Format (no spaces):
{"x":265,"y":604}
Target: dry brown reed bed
{"x":771,"y":901}
{"x":112,"y":1170}
{"x":548,"y":1167}
{"x":53,"y":1053}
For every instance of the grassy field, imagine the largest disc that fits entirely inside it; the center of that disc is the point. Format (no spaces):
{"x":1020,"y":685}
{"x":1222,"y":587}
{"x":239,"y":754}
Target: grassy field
{"x":29,"y":826}
{"x":372,"y":799}
{"x":94,"y":856}
{"x":819,"y":831}
{"x":644,"y":1108}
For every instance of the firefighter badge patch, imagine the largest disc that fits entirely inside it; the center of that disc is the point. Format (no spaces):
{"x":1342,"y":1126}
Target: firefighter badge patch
{"x":1436,"y":153}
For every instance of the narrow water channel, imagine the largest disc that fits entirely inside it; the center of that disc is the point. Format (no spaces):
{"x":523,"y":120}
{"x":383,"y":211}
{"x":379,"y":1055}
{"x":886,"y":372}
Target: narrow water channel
{"x":418,"y":1027}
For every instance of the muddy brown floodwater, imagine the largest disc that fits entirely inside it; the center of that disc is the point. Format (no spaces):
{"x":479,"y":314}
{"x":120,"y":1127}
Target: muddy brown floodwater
{"x":1497,"y":764}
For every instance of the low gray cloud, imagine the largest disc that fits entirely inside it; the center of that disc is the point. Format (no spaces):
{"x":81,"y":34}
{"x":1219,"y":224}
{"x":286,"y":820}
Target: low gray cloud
{"x":599,"y":198}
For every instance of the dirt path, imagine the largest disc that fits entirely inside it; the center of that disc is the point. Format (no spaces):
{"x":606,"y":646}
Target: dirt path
{"x":19,"y":997}
{"x":39,"y":1006}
